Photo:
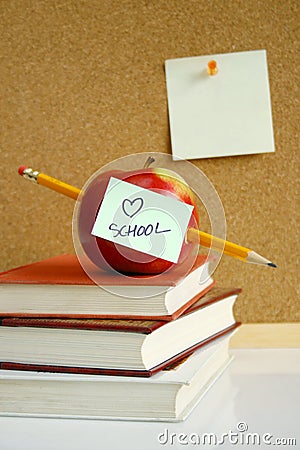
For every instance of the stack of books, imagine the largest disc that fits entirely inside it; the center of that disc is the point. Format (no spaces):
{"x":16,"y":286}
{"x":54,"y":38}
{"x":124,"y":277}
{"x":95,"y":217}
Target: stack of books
{"x":71,"y":349}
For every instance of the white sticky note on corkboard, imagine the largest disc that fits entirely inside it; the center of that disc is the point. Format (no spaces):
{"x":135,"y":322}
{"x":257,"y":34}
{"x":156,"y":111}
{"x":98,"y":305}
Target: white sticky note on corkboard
{"x":221,"y":115}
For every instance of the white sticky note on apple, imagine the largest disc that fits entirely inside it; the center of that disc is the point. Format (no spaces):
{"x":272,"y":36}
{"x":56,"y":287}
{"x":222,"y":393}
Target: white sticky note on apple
{"x":143,"y":220}
{"x":219,"y":115}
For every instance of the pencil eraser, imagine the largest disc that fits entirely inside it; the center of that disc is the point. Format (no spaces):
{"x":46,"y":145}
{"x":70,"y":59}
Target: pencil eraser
{"x":21,"y":170}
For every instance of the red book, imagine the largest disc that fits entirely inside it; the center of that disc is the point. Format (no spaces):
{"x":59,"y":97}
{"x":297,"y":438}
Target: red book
{"x":59,"y":287}
{"x":115,"y":347}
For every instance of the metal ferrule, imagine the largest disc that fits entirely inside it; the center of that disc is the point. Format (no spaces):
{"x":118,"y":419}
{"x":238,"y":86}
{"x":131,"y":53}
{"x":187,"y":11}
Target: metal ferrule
{"x":31,"y":174}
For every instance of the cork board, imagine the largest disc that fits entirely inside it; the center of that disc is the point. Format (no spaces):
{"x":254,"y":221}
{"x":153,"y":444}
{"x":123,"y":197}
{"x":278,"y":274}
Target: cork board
{"x":83,"y":83}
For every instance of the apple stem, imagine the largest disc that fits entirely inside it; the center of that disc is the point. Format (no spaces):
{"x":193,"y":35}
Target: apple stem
{"x":149,"y":161}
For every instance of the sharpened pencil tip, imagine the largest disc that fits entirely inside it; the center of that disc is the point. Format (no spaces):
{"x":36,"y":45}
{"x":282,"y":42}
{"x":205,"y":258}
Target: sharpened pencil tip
{"x":272,"y":264}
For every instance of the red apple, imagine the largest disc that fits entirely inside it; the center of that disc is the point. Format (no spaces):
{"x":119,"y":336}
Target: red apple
{"x":107,"y":254}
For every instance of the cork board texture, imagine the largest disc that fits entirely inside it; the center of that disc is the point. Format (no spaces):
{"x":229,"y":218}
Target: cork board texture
{"x":83,"y":83}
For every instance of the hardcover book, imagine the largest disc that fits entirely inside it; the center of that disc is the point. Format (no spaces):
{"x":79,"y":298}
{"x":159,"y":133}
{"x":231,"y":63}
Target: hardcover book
{"x":126,"y":347}
{"x":59,"y":287}
{"x":170,"y":395}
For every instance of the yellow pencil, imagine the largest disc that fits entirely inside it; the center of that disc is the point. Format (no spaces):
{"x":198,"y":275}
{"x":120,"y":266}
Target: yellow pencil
{"x":50,"y":182}
{"x":193,"y":235}
{"x":228,"y":248}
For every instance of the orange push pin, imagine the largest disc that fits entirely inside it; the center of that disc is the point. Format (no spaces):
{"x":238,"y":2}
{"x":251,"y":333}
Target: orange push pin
{"x":212,"y":68}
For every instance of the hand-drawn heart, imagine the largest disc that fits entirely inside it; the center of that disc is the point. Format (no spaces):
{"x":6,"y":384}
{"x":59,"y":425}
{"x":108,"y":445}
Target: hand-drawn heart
{"x":132,"y":207}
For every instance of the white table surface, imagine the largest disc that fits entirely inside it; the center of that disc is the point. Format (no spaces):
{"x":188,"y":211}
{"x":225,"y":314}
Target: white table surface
{"x":261,"y":389}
